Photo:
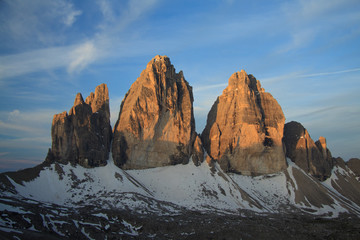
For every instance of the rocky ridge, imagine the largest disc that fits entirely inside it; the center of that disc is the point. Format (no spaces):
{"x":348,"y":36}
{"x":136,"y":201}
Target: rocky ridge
{"x":313,"y":157}
{"x":84,"y":135}
{"x":354,"y":165}
{"x":244,"y":128}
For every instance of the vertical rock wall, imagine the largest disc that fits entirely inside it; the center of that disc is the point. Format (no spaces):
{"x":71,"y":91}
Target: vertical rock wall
{"x":244,"y":128}
{"x":156,"y":125}
{"x":84,"y":135}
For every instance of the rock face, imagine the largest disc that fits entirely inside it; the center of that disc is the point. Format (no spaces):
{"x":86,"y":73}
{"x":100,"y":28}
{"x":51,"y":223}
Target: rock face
{"x":354,"y":165}
{"x":84,"y":135}
{"x":198,"y":151}
{"x":244,"y":128}
{"x":313,"y":158}
{"x":156,"y":125}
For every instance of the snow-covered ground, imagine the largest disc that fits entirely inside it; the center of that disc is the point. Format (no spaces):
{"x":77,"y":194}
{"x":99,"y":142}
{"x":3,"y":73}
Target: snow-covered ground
{"x":165,"y":190}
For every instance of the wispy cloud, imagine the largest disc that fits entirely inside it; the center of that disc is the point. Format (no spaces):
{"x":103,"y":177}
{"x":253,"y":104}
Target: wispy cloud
{"x":32,"y":22}
{"x":309,"y":112}
{"x":309,"y":75}
{"x":3,"y":154}
{"x":305,"y":21}
{"x":71,"y":17}
{"x":34,"y":61}
{"x":207,"y":87}
{"x":26,"y":124}
{"x":330,"y":73}
{"x":73,"y":57}
{"x":82,"y":56}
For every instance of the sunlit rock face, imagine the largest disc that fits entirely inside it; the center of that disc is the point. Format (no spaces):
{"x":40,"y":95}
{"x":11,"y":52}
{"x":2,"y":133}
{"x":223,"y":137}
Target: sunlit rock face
{"x":84,"y":135}
{"x":244,"y":128}
{"x":156,"y":125}
{"x":313,"y":158}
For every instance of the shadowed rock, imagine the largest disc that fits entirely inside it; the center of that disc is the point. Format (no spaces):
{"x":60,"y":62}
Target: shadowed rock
{"x":198,"y":151}
{"x":244,"y":128}
{"x":313,"y":158}
{"x":354,"y":165}
{"x":156,"y":125}
{"x":83,"y":136}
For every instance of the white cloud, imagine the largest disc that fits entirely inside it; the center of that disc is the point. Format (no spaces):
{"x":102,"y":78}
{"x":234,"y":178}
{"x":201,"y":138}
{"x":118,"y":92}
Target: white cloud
{"x":71,"y":17}
{"x":28,"y":123}
{"x":295,"y":75}
{"x":32,"y":22}
{"x":331,"y":73}
{"x":34,"y":61}
{"x":106,"y":10}
{"x":82,"y":56}
{"x":304,"y":21}
{"x":14,"y":115}
{"x":207,"y":87}
{"x":75,"y":57}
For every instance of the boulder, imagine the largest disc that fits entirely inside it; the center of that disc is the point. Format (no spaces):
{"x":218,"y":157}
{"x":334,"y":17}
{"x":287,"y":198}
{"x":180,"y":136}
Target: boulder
{"x":156,"y":125}
{"x":244,"y":128}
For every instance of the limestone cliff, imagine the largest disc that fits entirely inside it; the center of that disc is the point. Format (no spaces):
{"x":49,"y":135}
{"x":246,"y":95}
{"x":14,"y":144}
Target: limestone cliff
{"x":244,"y":128}
{"x":84,"y":135}
{"x":156,"y":125}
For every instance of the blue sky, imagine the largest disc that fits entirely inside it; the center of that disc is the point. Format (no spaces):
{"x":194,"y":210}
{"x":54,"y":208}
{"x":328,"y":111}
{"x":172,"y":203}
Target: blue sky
{"x":306,"y":53}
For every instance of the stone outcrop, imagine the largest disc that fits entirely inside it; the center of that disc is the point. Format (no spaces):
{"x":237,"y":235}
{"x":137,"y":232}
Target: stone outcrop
{"x":156,"y":125}
{"x":84,"y":135}
{"x":198,"y":151}
{"x":354,"y":165}
{"x":313,"y":158}
{"x":244,"y":128}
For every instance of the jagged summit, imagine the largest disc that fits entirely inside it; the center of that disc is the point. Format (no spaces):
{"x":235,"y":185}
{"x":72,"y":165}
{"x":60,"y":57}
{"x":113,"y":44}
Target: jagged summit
{"x":156,"y":125}
{"x":244,"y":128}
{"x":99,"y":101}
{"x":312,"y":157}
{"x":84,"y":136}
{"x":78,"y":99}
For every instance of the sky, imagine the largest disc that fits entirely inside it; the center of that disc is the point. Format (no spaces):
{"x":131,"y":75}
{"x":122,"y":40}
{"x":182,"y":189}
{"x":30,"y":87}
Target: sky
{"x":306,"y":53}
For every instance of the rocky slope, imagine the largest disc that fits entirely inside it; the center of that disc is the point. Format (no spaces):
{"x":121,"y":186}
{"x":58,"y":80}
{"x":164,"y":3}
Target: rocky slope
{"x":313,"y":158}
{"x":156,"y":125}
{"x":244,"y":128}
{"x":65,"y":201}
{"x":84,"y":135}
{"x":354,"y":165}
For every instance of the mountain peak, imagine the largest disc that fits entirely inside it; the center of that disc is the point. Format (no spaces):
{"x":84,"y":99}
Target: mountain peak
{"x":78,"y":99}
{"x":99,"y":100}
{"x":156,"y":125}
{"x":244,"y":129}
{"x":83,"y":137}
{"x":161,"y":65}
{"x":313,"y":157}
